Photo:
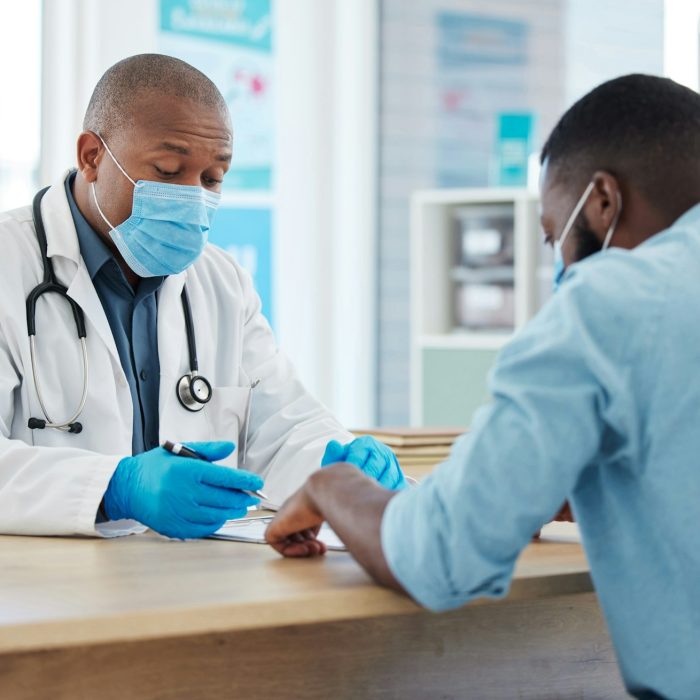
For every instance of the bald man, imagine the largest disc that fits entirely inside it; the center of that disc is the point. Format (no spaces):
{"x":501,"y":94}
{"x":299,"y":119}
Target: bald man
{"x":175,"y":345}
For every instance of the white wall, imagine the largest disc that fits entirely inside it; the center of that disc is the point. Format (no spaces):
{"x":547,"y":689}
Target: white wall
{"x":607,"y":39}
{"x":20,"y":35}
{"x":324,"y":196}
{"x":681,"y":53}
{"x":82,"y":38}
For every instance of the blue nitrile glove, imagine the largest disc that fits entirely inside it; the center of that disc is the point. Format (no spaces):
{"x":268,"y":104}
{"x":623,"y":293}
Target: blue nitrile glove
{"x":179,"y":496}
{"x":374,"y":458}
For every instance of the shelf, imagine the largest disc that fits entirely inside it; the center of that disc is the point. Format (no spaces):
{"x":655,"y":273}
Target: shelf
{"x":493,"y":274}
{"x":468,"y":340}
{"x":450,"y":365}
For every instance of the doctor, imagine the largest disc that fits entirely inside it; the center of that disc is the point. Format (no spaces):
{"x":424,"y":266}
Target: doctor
{"x":595,"y":401}
{"x":144,"y":332}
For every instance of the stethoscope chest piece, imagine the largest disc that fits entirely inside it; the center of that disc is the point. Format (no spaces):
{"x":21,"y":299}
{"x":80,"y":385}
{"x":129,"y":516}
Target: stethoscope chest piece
{"x":194,"y":392}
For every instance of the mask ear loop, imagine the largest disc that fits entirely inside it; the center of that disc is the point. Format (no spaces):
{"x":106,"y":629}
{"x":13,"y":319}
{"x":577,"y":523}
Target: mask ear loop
{"x":124,"y":173}
{"x":116,"y":162}
{"x":99,"y":208}
{"x":613,"y":225}
{"x":576,"y":211}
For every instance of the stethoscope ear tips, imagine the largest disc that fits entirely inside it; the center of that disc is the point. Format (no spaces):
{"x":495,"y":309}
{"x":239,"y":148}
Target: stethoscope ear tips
{"x":39,"y":424}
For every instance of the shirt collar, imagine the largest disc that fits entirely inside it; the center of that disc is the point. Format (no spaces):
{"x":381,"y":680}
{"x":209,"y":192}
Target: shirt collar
{"x":689,"y":218}
{"x":95,"y":253}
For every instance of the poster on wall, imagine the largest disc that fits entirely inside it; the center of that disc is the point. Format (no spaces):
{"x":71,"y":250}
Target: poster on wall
{"x":245,"y":233}
{"x":482,"y":71}
{"x":231,"y":42}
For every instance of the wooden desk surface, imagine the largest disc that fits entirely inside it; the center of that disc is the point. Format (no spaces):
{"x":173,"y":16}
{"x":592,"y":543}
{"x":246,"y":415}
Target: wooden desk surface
{"x":60,"y":592}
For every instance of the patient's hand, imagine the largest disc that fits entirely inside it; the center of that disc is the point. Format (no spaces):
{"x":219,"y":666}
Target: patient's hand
{"x":293,"y":531}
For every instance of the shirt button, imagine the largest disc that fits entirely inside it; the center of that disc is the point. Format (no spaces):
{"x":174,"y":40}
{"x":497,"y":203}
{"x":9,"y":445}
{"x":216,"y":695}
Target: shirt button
{"x":143,"y":375}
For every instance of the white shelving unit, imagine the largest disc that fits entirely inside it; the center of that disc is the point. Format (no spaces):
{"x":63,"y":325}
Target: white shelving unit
{"x":449,"y":363}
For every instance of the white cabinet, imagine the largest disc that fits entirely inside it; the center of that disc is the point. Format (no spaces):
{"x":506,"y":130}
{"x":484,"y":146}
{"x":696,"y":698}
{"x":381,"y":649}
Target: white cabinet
{"x":479,"y":271}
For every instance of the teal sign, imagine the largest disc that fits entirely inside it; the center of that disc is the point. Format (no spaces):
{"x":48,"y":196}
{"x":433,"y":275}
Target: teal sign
{"x":231,"y":41}
{"x":247,"y":179}
{"x":246,"y":23}
{"x":514,"y":145}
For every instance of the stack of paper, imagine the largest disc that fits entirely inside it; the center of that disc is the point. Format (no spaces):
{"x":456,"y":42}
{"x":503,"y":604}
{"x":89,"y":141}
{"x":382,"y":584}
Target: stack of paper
{"x":253,"y":530}
{"x":420,"y":448}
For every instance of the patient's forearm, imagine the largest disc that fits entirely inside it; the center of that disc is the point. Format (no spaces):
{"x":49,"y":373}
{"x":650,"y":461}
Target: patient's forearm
{"x":353,"y":505}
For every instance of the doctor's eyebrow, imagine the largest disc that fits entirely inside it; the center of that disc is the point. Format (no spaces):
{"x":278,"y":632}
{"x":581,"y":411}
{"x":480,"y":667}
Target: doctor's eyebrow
{"x":182,"y":150}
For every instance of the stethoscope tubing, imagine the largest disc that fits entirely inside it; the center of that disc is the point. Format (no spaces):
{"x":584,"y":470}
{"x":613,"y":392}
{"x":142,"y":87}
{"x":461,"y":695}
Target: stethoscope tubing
{"x":65,"y":425}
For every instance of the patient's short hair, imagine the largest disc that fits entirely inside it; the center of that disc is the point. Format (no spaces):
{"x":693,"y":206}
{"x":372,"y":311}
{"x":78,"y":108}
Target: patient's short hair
{"x":640,"y":128}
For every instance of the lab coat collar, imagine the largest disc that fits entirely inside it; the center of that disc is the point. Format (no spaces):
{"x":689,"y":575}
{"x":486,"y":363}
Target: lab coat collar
{"x":61,"y":238}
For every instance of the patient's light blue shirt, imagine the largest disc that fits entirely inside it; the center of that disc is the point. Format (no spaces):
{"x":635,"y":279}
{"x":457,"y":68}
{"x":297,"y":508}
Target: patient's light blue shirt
{"x":597,"y":400}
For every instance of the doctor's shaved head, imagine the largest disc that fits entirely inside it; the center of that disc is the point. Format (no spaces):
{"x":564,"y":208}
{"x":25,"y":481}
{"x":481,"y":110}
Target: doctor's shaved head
{"x":642,"y":129}
{"x":116,"y":99}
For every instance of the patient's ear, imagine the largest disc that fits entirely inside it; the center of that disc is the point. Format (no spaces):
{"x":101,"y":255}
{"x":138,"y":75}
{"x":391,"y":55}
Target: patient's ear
{"x":603,"y":207}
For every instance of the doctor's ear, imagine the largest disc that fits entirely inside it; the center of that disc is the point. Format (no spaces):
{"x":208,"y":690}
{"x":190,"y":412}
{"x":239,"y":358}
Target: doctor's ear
{"x":89,"y":155}
{"x":604,"y":202}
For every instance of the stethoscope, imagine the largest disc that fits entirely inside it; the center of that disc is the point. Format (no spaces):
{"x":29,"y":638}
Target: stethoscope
{"x":193,"y":390}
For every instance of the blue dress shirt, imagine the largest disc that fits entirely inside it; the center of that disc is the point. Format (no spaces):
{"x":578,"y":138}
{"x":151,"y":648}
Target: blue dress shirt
{"x":132,"y":315}
{"x":596,"y":400}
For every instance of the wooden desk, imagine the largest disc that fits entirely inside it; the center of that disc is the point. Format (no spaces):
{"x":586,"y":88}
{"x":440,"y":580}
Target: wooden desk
{"x":143,"y":617}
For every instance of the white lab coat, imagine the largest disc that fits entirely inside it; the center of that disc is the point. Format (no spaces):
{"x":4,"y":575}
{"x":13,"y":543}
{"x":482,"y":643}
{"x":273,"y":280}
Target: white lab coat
{"x":52,"y":482}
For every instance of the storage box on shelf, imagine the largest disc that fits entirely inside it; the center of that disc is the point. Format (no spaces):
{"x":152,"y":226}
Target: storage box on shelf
{"x":477,"y":271}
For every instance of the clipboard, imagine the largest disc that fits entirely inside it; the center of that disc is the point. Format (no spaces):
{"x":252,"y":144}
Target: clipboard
{"x":252,"y":530}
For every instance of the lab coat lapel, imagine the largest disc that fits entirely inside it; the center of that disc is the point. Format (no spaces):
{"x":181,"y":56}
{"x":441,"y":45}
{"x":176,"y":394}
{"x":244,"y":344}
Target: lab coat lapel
{"x":64,"y":250}
{"x":83,"y":291}
{"x":171,"y":334}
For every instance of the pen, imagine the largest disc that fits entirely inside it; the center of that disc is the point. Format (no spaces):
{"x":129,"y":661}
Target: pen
{"x":181,"y":450}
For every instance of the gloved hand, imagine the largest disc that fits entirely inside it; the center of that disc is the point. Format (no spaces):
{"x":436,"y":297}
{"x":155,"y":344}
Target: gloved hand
{"x":374,"y":458}
{"x":179,"y":496}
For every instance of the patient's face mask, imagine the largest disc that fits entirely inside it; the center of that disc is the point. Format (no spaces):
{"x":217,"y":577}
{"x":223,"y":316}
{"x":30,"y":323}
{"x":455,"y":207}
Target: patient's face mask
{"x":168,"y":227}
{"x":559,"y":266}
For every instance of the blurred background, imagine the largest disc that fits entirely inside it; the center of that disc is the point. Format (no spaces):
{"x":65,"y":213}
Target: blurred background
{"x":383,"y":192}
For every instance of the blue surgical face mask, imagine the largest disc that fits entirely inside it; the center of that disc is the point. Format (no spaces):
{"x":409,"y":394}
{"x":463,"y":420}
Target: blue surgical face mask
{"x":559,"y":266}
{"x":168,"y":227}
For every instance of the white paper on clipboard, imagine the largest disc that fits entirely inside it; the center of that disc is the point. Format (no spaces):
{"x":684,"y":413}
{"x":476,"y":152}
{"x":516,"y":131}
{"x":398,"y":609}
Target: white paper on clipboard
{"x":253,"y":530}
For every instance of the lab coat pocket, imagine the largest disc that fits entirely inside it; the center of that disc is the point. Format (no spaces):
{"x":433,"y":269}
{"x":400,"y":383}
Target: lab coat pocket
{"x":227,"y":414}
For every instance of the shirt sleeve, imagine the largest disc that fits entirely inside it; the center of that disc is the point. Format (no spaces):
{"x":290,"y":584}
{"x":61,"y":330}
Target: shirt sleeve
{"x":560,"y":389}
